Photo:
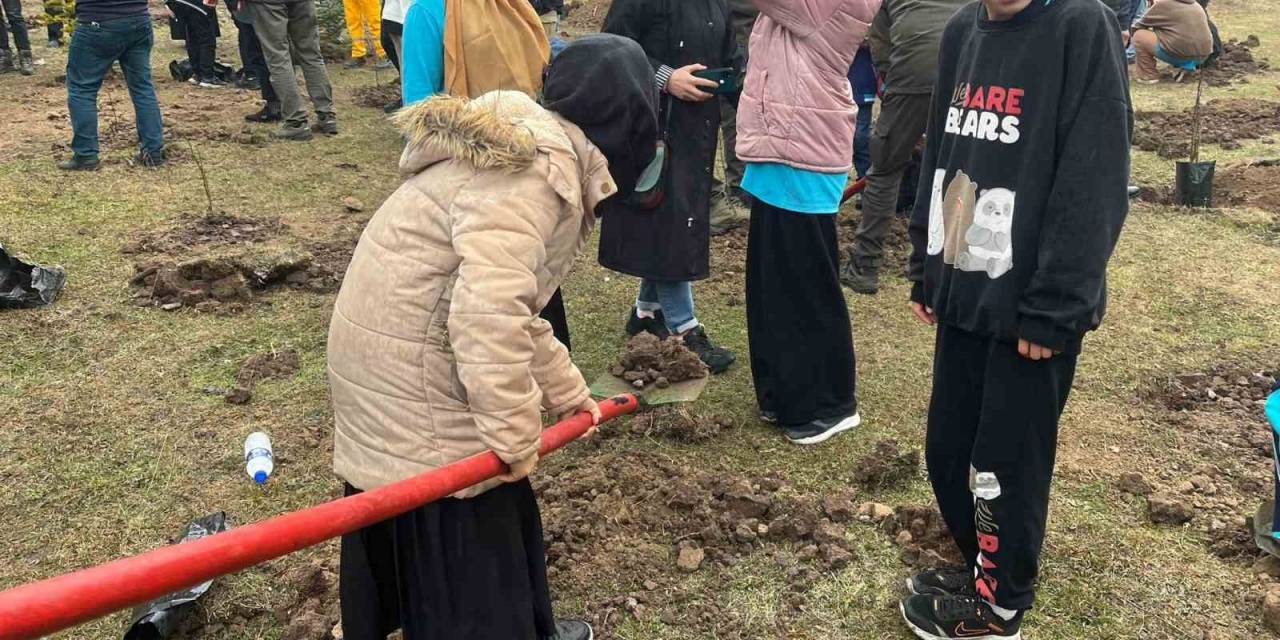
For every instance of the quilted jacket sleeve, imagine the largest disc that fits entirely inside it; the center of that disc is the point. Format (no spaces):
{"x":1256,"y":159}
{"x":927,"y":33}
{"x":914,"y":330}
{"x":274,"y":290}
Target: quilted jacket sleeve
{"x":500,"y":232}
{"x":563,"y":387}
{"x":801,"y":17}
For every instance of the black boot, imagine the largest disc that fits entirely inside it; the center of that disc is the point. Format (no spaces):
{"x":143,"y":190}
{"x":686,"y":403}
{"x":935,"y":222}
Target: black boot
{"x":6,"y":62}
{"x":26,"y":64}
{"x":326,"y":123}
{"x":718,"y":359}
{"x":269,"y":113}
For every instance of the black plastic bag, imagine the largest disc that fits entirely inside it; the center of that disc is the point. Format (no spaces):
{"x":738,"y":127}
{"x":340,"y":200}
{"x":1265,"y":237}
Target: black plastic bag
{"x":160,"y":618}
{"x":1194,"y":186}
{"x":23,"y":286}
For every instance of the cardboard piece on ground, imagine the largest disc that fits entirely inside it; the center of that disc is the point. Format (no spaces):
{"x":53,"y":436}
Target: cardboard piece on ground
{"x":607,"y":386}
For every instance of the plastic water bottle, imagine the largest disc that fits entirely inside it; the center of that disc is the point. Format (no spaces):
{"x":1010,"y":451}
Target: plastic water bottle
{"x":258,"y":459}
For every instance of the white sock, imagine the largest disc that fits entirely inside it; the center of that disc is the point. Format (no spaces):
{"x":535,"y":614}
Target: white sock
{"x":1005,"y":614}
{"x":645,"y":314}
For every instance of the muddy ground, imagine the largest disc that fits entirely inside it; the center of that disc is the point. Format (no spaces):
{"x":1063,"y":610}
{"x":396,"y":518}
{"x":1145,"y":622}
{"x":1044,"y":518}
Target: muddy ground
{"x":650,"y":361}
{"x":1224,"y":122}
{"x":376,"y":96}
{"x":1236,"y":64}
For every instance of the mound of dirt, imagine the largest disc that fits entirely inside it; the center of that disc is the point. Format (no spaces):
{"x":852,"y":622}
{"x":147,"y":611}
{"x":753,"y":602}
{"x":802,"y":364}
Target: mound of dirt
{"x":208,"y":283}
{"x":313,"y":612}
{"x":897,"y":241}
{"x":601,"y":513}
{"x":1236,"y":63}
{"x":1225,"y":387}
{"x":1252,"y":185}
{"x":219,"y":228}
{"x":376,"y":96}
{"x":886,"y":466}
{"x":922,"y":536}
{"x":268,"y":366}
{"x":649,"y":360}
{"x":681,"y":425}
{"x":585,"y":16}
{"x":1224,"y":122}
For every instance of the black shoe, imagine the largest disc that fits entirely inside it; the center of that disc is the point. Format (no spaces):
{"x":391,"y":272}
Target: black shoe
{"x":268,"y":113}
{"x":149,"y":160}
{"x":326,"y":123}
{"x":946,"y":617}
{"x":657,"y":325}
{"x":248,"y":83}
{"x":768,"y":417}
{"x":820,"y":430}
{"x":572,"y":630}
{"x":946,"y":581}
{"x":717,"y":359}
{"x":6,"y":61}
{"x":26,"y":63}
{"x":211,"y":83}
{"x":354,"y":63}
{"x":864,"y":280}
{"x":394,"y":106}
{"x":78,"y":163}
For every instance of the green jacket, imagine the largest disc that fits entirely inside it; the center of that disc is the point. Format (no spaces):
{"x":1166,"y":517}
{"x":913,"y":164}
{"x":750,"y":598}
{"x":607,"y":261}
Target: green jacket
{"x":904,"y":39}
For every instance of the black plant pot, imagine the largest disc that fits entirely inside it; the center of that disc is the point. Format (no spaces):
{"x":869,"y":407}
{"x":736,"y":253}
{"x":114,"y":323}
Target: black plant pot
{"x":1194,"y":186}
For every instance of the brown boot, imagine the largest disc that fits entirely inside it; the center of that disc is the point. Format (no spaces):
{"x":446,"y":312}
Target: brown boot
{"x":26,"y":64}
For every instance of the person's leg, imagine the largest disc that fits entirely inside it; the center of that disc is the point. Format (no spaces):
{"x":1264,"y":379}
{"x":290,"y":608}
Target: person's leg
{"x":368,"y":594}
{"x":959,"y":365}
{"x":88,"y":58}
{"x":271,"y":23}
{"x":733,"y":166}
{"x":304,"y":31}
{"x":21,"y":39}
{"x":53,"y":16}
{"x":675,"y":299}
{"x":1145,"y":42}
{"x":903,"y":119}
{"x":135,"y":61}
{"x":797,"y":316}
{"x":1013,"y":458}
{"x":389,"y":44}
{"x":4,"y":31}
{"x":355,"y":28}
{"x":199,"y":42}
{"x":372,"y":15}
{"x":862,"y":139}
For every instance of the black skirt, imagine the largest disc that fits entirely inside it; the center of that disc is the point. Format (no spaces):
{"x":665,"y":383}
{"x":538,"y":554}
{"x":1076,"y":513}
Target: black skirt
{"x":471,"y":569}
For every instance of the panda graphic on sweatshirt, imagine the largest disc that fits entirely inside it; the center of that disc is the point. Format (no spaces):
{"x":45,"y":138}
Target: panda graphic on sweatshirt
{"x":972,"y":227}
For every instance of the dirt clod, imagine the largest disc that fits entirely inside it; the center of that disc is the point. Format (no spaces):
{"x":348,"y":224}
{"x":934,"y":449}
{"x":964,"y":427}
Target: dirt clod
{"x":886,"y":465}
{"x":1271,"y":609}
{"x":690,"y":559}
{"x":928,"y":542}
{"x":1166,"y":508}
{"x":376,"y":96}
{"x":680,"y":424}
{"x":239,"y":395}
{"x":648,"y":359}
{"x":266,"y":366}
{"x":352,"y":204}
{"x":874,"y":512}
{"x":1236,"y":63}
{"x":217,"y":229}
{"x":839,"y":507}
{"x":1135,"y":484}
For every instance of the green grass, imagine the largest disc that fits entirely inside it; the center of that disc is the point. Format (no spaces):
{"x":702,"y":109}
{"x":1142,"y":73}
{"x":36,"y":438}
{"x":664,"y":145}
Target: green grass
{"x":109,"y":444}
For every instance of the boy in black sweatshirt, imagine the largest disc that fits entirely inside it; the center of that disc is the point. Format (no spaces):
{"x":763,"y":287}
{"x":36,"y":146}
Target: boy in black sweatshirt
{"x":1022,"y":197}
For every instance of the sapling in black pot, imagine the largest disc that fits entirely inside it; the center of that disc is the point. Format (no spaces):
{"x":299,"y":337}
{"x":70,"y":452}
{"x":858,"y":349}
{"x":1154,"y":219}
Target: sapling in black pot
{"x":1194,"y":187}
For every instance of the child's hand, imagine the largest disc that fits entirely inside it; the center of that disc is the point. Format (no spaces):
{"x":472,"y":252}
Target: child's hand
{"x":520,"y":469}
{"x":587,"y":406}
{"x":688,"y":87}
{"x":924,"y":314}
{"x":1033,"y":351}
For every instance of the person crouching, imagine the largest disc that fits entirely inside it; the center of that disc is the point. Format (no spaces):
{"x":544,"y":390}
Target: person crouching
{"x":436,"y":351}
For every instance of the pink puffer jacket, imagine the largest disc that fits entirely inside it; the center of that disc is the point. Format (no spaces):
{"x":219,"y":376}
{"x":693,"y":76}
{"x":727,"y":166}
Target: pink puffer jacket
{"x":797,"y":108}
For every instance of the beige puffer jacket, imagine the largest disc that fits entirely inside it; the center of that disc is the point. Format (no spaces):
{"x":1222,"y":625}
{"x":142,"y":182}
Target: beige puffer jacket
{"x":436,"y":351}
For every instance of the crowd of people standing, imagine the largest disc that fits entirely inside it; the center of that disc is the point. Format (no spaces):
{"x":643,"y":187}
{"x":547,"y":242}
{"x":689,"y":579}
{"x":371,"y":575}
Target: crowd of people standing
{"x":518,"y":144}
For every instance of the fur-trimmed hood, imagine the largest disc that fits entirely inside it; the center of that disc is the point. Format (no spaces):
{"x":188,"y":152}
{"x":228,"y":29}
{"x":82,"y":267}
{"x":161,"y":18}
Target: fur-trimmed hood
{"x":504,"y":131}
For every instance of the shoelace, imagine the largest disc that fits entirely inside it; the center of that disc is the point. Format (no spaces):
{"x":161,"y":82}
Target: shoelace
{"x":953,"y":608}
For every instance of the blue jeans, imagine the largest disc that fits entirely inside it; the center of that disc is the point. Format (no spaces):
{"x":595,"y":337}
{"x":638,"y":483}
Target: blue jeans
{"x":862,"y":139}
{"x":94,"y":47}
{"x":673,"y":299}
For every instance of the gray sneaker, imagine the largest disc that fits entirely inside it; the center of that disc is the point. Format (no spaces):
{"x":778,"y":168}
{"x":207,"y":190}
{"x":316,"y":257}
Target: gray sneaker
{"x":572,"y":630}
{"x":26,"y":63}
{"x":297,"y":131}
{"x":864,"y":280}
{"x":326,"y":123}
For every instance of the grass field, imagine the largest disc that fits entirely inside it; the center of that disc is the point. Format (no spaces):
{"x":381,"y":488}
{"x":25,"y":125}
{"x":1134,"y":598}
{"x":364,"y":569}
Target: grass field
{"x":109,"y":444}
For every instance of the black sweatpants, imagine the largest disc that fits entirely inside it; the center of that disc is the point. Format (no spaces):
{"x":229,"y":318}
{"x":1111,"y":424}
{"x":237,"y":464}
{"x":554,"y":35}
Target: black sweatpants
{"x":201,"y":39}
{"x":798,"y":325}
{"x":389,"y":30}
{"x":990,"y":447}
{"x":254,"y":62}
{"x":472,"y":569}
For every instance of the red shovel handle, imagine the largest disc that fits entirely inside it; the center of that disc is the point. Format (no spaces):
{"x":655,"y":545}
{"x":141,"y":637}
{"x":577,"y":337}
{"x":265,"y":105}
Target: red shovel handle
{"x":41,"y":608}
{"x":854,"y":187}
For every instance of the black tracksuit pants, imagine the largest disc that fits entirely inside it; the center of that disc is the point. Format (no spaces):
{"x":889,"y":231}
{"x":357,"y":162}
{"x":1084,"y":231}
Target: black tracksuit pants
{"x":201,"y":39}
{"x":798,"y":325}
{"x":990,"y":447}
{"x":254,"y":62}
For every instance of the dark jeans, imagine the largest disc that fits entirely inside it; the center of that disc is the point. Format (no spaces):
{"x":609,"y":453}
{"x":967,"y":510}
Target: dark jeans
{"x":12,"y":10}
{"x":798,"y":324}
{"x":254,"y":62}
{"x":201,"y":41}
{"x":94,"y":46}
{"x":862,"y":139}
{"x":990,"y":447}
{"x":389,"y":31}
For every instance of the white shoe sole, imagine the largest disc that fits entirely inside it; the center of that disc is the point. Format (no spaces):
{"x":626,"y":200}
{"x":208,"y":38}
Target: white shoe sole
{"x":844,"y":425}
{"x":925,"y":635}
{"x":911,"y":588}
